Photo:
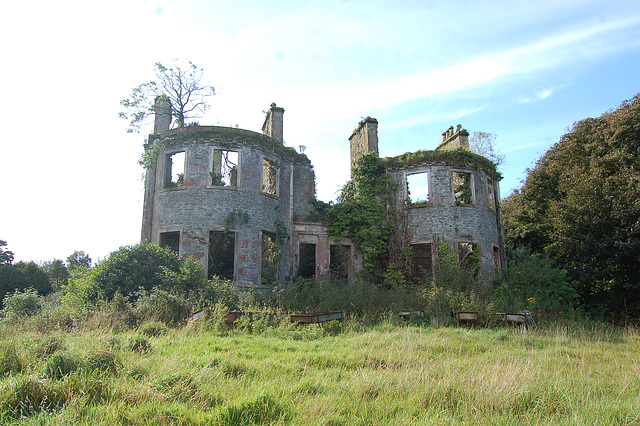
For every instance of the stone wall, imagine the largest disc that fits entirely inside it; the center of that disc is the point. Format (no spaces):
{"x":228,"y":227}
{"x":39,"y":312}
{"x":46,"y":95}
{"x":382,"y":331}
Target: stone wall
{"x":197,"y":207}
{"x":364,"y":139}
{"x":441,"y":219}
{"x":264,"y":189}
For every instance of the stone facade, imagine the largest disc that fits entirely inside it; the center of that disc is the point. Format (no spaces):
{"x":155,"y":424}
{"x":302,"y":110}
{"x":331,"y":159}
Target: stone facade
{"x":241,"y":203}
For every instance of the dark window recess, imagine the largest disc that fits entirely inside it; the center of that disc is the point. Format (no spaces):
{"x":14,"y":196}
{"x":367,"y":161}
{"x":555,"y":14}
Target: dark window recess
{"x":170,"y":240}
{"x":339,"y":262}
{"x":469,"y":257}
{"x":307,"y":265}
{"x":491,"y":194}
{"x":269,"y":177}
{"x":224,"y":168}
{"x":222,"y":246}
{"x":421,"y":260}
{"x":271,"y":254}
{"x":462,"y":188}
{"x":174,"y":170}
{"x":496,"y":260}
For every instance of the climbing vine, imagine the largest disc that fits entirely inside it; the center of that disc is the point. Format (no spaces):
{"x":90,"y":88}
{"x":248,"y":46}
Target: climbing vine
{"x":365,"y":214}
{"x":151,"y":151}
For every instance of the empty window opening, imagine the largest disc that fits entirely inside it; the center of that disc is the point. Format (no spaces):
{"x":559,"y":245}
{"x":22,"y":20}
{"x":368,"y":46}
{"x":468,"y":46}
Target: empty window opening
{"x":339,"y":262}
{"x":421,"y":261}
{"x":170,"y":240}
{"x":222,"y":245}
{"x":174,"y":170}
{"x":496,"y":260}
{"x":271,"y":255}
{"x":491,"y":194}
{"x":224,"y":168}
{"x":269,"y":177}
{"x":418,"y":187}
{"x":462,"y":188}
{"x":468,"y":256}
{"x":307,"y":265}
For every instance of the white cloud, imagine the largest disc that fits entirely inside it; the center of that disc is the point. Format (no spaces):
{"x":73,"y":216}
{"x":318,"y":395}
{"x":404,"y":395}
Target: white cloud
{"x":432,"y":117}
{"x":541,"y":95}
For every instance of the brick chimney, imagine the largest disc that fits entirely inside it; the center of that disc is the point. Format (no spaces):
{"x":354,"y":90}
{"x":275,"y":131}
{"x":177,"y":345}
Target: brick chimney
{"x":273,"y":125}
{"x":364,"y":139}
{"x":162,"y":108}
{"x":454,"y":139}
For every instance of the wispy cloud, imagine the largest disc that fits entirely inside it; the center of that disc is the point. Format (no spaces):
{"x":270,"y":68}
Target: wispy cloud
{"x":432,"y":117}
{"x":541,"y":54}
{"x":541,"y":95}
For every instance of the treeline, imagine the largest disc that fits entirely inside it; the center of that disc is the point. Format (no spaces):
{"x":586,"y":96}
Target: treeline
{"x":144,"y":282}
{"x":573,"y":245}
{"x":580,"y":207}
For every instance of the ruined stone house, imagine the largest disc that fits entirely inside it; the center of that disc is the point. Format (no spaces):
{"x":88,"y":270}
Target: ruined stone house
{"x":238,"y":201}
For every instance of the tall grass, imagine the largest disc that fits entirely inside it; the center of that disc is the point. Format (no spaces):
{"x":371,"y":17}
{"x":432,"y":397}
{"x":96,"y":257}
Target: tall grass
{"x":335,"y":373}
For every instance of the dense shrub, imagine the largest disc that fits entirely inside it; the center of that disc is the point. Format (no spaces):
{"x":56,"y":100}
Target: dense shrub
{"x":308,"y":294}
{"x":23,"y":275}
{"x":455,"y":287}
{"x":131,"y":268}
{"x":22,"y":303}
{"x":533,"y":283}
{"x":160,"y":305}
{"x":219,"y":291}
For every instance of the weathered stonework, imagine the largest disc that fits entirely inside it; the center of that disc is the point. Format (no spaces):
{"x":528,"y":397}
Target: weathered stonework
{"x":260,"y":198}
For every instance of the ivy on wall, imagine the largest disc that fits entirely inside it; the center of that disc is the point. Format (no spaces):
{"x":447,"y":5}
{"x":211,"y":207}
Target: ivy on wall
{"x":364,"y":214}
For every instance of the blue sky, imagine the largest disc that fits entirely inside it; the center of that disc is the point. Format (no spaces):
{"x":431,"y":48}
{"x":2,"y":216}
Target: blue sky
{"x":524,"y":71}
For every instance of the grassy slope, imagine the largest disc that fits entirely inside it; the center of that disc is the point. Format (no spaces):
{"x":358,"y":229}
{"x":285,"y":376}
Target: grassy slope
{"x":380,"y":375}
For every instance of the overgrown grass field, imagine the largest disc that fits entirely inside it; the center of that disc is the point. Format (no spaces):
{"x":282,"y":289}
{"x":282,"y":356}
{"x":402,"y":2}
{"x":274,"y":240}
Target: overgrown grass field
{"x":331,"y":374}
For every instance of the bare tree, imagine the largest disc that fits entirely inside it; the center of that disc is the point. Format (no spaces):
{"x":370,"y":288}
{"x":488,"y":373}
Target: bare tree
{"x":181,"y":84}
{"x":484,"y":144}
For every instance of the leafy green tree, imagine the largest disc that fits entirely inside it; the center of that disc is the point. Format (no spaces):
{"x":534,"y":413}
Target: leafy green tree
{"x":23,"y":275}
{"x":141,"y":266}
{"x":78,"y":259}
{"x":182,"y":85}
{"x":6,"y":256}
{"x":56,"y":272}
{"x":581,"y":204}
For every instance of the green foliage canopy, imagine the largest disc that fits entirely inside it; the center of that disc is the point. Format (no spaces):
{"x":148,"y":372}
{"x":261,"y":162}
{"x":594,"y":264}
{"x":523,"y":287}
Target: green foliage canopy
{"x":78,"y":259}
{"x":23,"y":275}
{"x":581,"y":204}
{"x":6,"y":256}
{"x":130,"y":269}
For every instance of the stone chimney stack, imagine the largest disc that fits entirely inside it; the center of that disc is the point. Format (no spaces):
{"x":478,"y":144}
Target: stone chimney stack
{"x":162,"y":108}
{"x":364,"y":139}
{"x":273,"y":125}
{"x":455,"y":139}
